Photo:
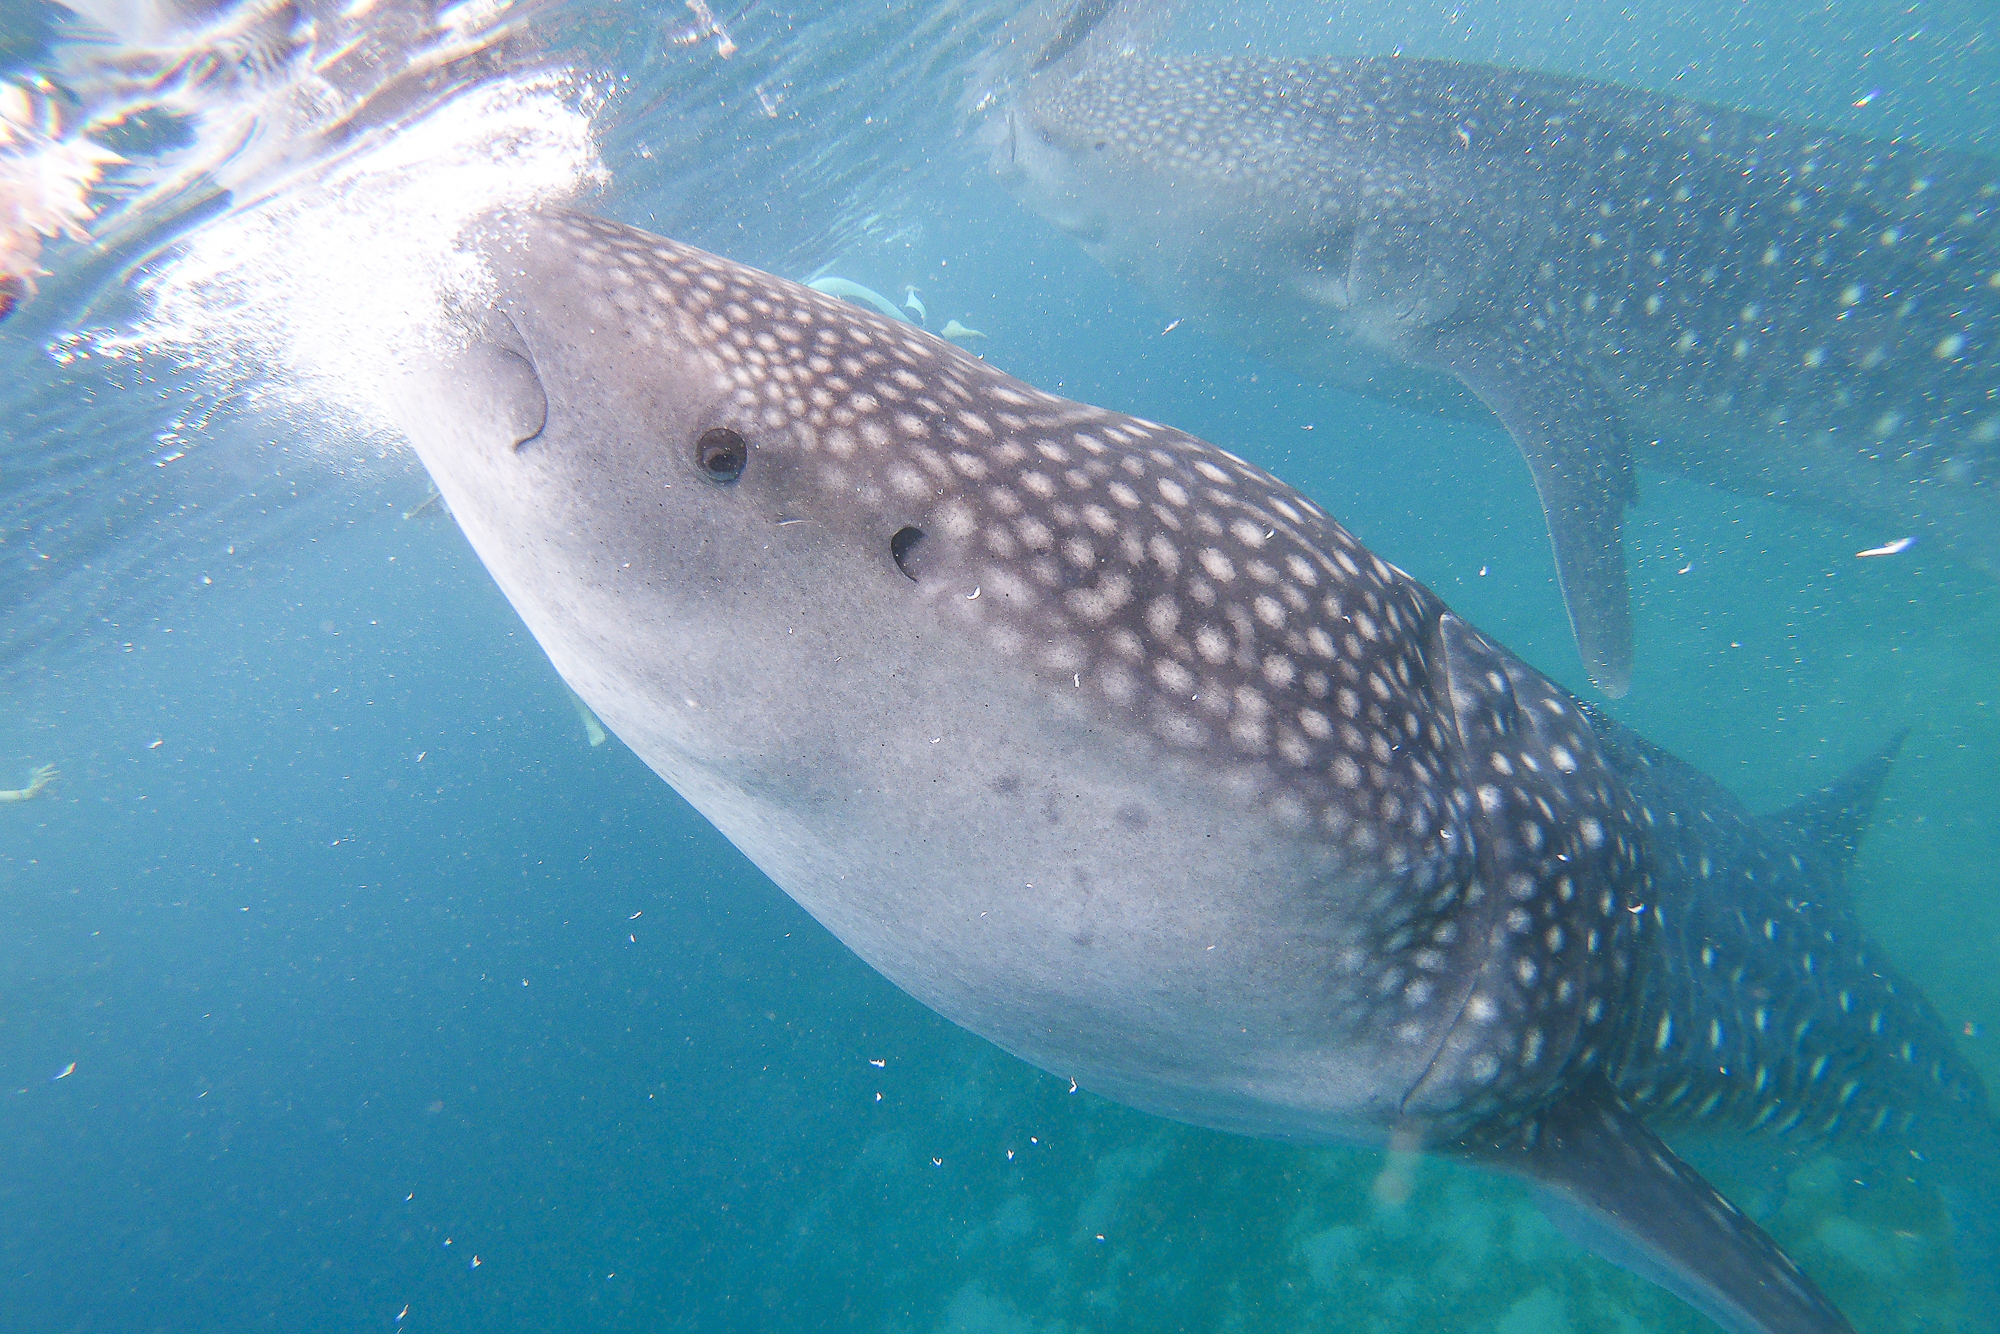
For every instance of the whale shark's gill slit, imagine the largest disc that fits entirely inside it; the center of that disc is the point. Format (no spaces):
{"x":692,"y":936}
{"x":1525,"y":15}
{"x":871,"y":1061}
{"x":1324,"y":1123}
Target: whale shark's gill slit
{"x":903,"y":547}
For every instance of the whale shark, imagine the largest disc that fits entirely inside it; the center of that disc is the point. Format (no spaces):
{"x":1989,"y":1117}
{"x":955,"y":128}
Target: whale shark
{"x":1112,"y":748}
{"x":1626,"y":280}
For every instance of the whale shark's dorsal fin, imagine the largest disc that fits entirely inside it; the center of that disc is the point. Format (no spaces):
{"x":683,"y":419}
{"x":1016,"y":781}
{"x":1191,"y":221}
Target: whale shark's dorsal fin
{"x":1833,"y":820}
{"x":1613,"y":1186}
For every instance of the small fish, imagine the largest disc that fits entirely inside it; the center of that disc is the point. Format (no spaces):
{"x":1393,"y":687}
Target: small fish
{"x":64,"y":1073}
{"x":1895,"y":548}
{"x":848,"y":290}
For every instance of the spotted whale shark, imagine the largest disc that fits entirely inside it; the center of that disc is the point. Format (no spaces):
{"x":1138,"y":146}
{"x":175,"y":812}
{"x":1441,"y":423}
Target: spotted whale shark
{"x":1114,"y":749}
{"x":1625,"y":279}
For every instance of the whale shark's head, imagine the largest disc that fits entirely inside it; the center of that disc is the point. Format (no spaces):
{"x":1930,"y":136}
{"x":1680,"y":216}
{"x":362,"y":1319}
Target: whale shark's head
{"x":1303,"y":180}
{"x":649,"y":445}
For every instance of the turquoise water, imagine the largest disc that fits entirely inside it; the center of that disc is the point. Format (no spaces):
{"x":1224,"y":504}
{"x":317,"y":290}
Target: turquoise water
{"x":395,"y":1004}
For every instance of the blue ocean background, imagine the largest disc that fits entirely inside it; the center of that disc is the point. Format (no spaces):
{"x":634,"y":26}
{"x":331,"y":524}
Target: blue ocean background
{"x":396,"y":1005}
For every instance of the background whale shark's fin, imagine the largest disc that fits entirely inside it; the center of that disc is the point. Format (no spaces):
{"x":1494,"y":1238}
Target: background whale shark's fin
{"x":1083,"y":31}
{"x":1568,"y":430}
{"x":1833,"y":820}
{"x":1612,"y":1186}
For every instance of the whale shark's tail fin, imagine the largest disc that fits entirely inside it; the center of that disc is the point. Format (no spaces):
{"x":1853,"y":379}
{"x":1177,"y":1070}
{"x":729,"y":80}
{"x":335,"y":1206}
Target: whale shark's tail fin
{"x":1614,"y":1187}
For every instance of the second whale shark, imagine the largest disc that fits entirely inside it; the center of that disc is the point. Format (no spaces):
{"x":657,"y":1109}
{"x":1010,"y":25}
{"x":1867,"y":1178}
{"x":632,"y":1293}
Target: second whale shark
{"x":1114,"y":749}
{"x":1625,"y":279}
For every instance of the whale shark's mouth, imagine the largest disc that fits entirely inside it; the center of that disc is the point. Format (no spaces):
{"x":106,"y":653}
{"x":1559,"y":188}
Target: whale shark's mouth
{"x":502,"y":353}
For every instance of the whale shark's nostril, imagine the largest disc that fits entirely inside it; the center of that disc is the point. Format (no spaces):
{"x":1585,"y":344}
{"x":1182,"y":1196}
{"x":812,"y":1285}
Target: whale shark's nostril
{"x":903,"y":547}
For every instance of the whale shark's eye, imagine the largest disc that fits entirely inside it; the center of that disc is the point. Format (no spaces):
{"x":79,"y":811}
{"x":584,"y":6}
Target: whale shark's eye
{"x":720,"y":453}
{"x":903,"y":549}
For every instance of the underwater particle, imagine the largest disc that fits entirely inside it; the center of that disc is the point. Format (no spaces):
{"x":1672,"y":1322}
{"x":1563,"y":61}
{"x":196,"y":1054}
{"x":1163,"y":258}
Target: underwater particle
{"x":65,"y":1073}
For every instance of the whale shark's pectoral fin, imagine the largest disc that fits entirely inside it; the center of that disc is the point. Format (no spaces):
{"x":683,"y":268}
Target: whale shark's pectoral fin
{"x":1568,"y":430}
{"x":1612,"y":1186}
